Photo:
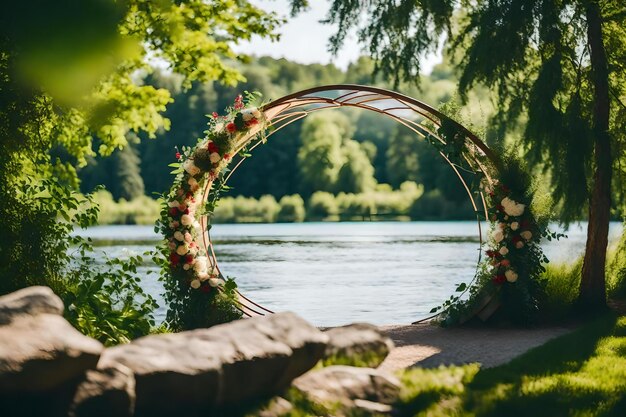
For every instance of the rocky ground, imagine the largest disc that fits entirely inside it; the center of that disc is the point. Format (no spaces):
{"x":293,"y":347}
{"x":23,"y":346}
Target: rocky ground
{"x":263,"y":364}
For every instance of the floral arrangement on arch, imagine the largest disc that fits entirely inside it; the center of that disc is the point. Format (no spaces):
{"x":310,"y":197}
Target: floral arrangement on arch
{"x":509,"y":278}
{"x":509,"y":275}
{"x":192,"y":278}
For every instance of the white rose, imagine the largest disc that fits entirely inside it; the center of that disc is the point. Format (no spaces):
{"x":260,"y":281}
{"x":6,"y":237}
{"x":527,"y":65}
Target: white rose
{"x":182,"y":250}
{"x":188,"y":237}
{"x":190,"y":167}
{"x":256,"y":112}
{"x":498,"y":236}
{"x":214,"y":282}
{"x":193,"y":250}
{"x":219,"y":127}
{"x":173,"y":204}
{"x":200,"y":264}
{"x":526,"y":234}
{"x":502,"y":226}
{"x":504,"y":250}
{"x":193,"y":184}
{"x":519,"y":245}
{"x":195,"y":284}
{"x":203,"y":276}
{"x":174,"y":224}
{"x":187,"y":219}
{"x":172,"y":245}
{"x":215,"y":157}
{"x":510,"y":275}
{"x":186,"y":267}
{"x":198,"y":227}
{"x":514,"y":226}
{"x":179,"y":236}
{"x":247,"y":114}
{"x":511,"y":207}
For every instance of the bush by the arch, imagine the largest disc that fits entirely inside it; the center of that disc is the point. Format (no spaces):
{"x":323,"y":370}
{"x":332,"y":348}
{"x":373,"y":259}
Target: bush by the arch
{"x":199,"y":294}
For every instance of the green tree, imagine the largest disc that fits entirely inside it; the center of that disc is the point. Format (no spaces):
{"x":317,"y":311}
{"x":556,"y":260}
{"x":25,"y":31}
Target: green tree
{"x":402,"y":158}
{"x":127,"y":173}
{"x":357,"y":173}
{"x":68,"y":92}
{"x":321,"y":157}
{"x":558,"y":62}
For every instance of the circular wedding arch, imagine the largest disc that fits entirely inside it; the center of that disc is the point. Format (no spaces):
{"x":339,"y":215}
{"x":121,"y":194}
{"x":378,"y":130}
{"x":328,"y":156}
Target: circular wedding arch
{"x":423,"y":120}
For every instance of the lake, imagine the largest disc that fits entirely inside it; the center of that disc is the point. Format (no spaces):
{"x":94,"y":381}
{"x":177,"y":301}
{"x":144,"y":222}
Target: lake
{"x":338,"y":273}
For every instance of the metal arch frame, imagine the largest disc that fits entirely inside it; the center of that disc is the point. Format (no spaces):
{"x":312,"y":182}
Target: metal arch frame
{"x":403,"y":109}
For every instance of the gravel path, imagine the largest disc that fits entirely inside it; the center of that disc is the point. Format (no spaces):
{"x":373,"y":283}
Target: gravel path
{"x":429,"y":346}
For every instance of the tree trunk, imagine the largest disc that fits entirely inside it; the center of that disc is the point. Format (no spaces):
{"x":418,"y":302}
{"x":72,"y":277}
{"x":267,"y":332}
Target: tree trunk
{"x":593,"y":286}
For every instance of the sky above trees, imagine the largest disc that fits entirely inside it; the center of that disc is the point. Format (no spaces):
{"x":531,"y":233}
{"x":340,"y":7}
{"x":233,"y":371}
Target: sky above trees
{"x":304,"y":39}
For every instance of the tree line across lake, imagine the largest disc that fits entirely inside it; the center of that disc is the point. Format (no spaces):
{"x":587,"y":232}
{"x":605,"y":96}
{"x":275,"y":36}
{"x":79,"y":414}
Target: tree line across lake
{"x":335,"y":165}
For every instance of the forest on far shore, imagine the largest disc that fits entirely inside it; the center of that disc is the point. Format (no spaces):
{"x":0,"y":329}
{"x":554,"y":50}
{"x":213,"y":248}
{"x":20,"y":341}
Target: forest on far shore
{"x":356,"y":164}
{"x":344,"y":164}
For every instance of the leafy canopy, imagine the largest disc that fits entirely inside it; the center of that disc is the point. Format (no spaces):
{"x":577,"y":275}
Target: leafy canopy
{"x":533,"y":53}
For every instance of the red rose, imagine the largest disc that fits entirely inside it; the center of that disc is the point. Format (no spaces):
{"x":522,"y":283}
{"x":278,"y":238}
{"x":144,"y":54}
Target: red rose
{"x":215,"y":115}
{"x":177,"y":155}
{"x":182,"y":207}
{"x":505,"y":262}
{"x":252,"y":122}
{"x":226,"y":157}
{"x":516,"y":239}
{"x":491,"y":253}
{"x":213,"y":147}
{"x":174,"y":259}
{"x":500,"y":208}
{"x":173,"y":211}
{"x":239,"y":102}
{"x":231,"y":128}
{"x":205,"y":288}
{"x":188,"y":259}
{"x":499,"y":279}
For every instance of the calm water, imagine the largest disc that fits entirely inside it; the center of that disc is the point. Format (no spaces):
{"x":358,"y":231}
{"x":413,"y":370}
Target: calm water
{"x":336,"y":273}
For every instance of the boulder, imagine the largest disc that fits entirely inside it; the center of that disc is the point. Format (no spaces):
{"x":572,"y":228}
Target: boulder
{"x":105,"y":392}
{"x":359,"y":344}
{"x":221,"y":366}
{"x":28,"y":302}
{"x":278,"y":406}
{"x":43,"y":352}
{"x":339,"y":387}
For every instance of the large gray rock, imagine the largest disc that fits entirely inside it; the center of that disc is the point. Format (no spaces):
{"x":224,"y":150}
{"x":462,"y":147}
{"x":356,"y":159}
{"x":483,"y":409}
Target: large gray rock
{"x":105,"y":392}
{"x":221,"y":366}
{"x":28,"y":302}
{"x":359,"y":344}
{"x":43,"y":352}
{"x":339,"y":388}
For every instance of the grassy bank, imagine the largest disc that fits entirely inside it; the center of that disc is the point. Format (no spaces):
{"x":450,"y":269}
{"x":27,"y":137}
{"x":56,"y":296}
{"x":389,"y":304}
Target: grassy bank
{"x":580,"y":374}
{"x":384,"y":203}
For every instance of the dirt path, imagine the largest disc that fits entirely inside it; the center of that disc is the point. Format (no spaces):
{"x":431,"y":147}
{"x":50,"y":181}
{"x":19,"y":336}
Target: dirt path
{"x":429,"y":346}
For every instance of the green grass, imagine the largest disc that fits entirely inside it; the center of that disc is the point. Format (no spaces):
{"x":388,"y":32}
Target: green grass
{"x":562,"y":284}
{"x":580,"y":374}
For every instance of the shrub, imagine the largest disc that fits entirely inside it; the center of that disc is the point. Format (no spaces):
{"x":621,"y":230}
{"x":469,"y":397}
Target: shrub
{"x":224,"y":211}
{"x":141,"y":210}
{"x":291,"y":209}
{"x":562,"y":282}
{"x":108,"y":303}
{"x":616,"y":269}
{"x":321,"y":205}
{"x":429,"y":206}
